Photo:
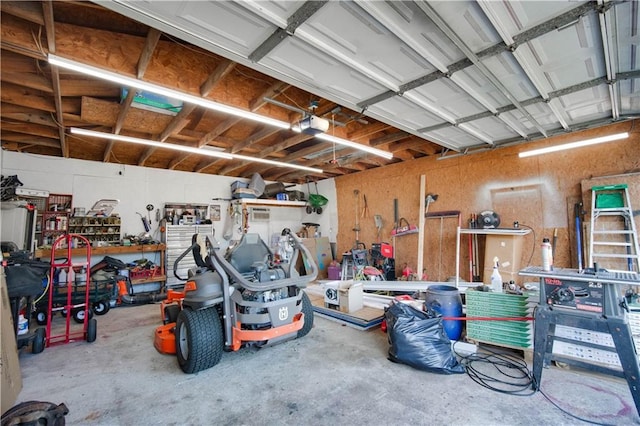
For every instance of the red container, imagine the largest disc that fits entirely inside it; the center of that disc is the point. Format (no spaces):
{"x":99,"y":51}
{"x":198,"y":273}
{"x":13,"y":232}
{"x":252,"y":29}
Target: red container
{"x":386,"y":250}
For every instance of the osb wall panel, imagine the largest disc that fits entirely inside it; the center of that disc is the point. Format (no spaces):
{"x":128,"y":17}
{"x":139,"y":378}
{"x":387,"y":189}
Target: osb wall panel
{"x":538,"y":192}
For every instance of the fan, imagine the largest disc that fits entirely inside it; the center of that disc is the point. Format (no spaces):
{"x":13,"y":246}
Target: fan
{"x":488,"y":219}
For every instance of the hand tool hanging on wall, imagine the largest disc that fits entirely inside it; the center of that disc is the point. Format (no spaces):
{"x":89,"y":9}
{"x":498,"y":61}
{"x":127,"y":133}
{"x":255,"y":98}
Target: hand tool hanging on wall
{"x":149,"y":210}
{"x":365,"y":209}
{"x":377,"y":219}
{"x":145,"y":222}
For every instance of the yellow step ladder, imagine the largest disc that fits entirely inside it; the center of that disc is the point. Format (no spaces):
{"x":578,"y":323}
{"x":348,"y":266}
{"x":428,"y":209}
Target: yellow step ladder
{"x":613,"y":240}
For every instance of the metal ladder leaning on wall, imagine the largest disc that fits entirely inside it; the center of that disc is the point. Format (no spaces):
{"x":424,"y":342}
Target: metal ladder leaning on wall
{"x":613,"y":201}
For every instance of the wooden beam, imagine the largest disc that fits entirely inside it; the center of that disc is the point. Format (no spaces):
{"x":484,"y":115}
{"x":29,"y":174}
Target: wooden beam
{"x":36,"y":117}
{"x":18,"y":96}
{"x":292,"y":141}
{"x":153,"y":36}
{"x":29,"y":129}
{"x":367,"y":131}
{"x":275,"y":89}
{"x":30,"y":140}
{"x":392,"y":137}
{"x":421,"y":218}
{"x":124,"y":109}
{"x":27,"y":10}
{"x":179,"y":122}
{"x":32,"y":81}
{"x":221,"y":71}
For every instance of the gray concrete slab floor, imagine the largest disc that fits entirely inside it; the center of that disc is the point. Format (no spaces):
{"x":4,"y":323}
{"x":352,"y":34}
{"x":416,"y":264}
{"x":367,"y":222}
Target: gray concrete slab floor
{"x":336,"y":375}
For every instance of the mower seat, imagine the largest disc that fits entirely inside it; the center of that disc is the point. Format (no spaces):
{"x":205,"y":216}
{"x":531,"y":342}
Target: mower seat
{"x":251,"y":250}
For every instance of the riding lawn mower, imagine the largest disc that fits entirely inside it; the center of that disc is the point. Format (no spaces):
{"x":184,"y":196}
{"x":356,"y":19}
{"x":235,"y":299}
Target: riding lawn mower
{"x":240,"y":298}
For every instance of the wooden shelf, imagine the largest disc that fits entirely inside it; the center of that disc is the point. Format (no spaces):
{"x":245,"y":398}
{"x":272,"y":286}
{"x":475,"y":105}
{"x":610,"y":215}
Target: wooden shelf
{"x":494,"y":231}
{"x":143,"y":248}
{"x":267,"y":202}
{"x":154,"y":279}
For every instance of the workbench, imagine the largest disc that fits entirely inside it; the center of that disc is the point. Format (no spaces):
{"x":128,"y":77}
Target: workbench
{"x":142,"y":249}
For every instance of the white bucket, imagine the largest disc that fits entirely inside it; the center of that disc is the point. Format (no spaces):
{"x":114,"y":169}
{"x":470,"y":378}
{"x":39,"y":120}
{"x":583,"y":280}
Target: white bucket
{"x":23,"y":325}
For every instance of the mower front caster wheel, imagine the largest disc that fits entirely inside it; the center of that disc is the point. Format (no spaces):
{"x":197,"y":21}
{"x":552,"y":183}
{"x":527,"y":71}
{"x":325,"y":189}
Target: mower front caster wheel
{"x":199,"y":339}
{"x":171,"y":313}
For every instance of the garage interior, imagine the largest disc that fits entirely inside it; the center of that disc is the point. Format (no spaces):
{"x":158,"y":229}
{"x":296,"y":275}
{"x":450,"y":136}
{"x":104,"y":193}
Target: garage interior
{"x":383,"y":151}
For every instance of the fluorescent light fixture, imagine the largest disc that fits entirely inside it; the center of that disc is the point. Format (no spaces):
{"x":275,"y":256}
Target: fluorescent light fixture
{"x":277,"y":163}
{"x":124,"y":80}
{"x":189,"y":149}
{"x":160,"y":90}
{"x":334,"y":139}
{"x":571,"y":145}
{"x":156,"y":144}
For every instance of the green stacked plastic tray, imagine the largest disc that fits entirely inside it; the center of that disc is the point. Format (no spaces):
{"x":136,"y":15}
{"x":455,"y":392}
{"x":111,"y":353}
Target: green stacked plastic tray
{"x":501,"y":305}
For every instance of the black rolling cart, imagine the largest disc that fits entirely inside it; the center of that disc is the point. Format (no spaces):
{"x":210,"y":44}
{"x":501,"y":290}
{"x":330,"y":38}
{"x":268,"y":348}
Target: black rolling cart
{"x":25,"y":282}
{"x":574,"y":304}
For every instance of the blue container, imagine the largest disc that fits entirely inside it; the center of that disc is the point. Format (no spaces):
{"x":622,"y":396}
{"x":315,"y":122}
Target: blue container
{"x":446,"y":300}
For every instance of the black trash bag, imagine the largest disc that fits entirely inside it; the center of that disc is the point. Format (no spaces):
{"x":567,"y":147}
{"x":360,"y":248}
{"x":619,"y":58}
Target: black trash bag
{"x":418,"y":339}
{"x":25,"y":275}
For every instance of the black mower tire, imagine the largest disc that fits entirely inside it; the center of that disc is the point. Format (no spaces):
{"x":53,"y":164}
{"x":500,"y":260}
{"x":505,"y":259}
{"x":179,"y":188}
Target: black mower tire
{"x":101,"y":307}
{"x":92,"y":330}
{"x":319,"y":210}
{"x":41,"y":317}
{"x":307,"y":310}
{"x":171,"y":313}
{"x":38,"y":343}
{"x":309,"y":209}
{"x":199,"y":339}
{"x":78,"y":314}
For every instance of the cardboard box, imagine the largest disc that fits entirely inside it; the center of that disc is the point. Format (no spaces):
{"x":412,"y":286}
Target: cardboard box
{"x":351,"y":295}
{"x":320,"y":249}
{"x":508,"y":248}
{"x":10,"y":366}
{"x":347,"y":296}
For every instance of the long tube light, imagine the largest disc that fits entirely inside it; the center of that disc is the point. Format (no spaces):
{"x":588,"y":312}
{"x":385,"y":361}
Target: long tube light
{"x":371,"y":150}
{"x":571,"y":145}
{"x":189,"y":149}
{"x":186,"y":97}
{"x":160,"y":90}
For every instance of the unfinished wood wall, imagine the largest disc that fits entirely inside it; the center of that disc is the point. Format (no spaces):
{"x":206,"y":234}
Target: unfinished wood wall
{"x":538,"y":192}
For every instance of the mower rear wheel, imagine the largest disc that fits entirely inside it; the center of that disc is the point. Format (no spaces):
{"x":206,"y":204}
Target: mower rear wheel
{"x":199,"y":339}
{"x":307,"y":310}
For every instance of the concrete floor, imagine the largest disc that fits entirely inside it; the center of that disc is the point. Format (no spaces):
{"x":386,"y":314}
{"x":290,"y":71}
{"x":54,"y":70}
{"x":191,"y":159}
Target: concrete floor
{"x":335,"y":375}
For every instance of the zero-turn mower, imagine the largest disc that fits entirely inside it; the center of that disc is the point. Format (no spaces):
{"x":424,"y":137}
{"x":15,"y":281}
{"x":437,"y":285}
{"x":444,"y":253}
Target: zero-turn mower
{"x":243,"y":297}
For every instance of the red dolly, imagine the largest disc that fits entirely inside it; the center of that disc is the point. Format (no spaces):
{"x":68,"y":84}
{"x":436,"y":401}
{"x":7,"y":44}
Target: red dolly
{"x":90,"y":325}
